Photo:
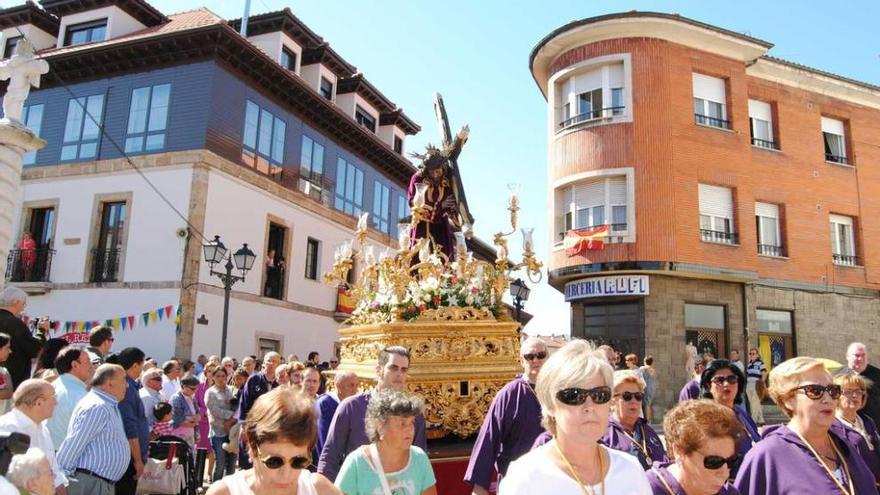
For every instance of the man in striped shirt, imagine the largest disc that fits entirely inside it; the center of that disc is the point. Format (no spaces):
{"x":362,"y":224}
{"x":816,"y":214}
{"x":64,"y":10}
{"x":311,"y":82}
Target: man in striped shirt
{"x":95,"y":453}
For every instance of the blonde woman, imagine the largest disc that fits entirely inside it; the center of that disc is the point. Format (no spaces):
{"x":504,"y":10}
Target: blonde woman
{"x":574,"y":389}
{"x":857,"y":428}
{"x":627,"y":432}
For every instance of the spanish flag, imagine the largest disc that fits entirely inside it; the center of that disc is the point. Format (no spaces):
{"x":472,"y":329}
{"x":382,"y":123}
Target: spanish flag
{"x":577,"y":242}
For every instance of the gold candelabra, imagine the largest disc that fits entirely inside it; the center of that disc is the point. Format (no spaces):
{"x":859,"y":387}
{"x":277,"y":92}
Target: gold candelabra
{"x":529,"y":260}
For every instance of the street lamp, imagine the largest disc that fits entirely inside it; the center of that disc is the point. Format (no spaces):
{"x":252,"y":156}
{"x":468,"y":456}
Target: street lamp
{"x":244,"y":258}
{"x":520,"y":292}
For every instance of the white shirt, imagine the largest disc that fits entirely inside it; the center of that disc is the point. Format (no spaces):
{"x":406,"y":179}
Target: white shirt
{"x":18,"y":421}
{"x":535,"y":472}
{"x":69,"y":390}
{"x":7,"y":488}
{"x":150,"y":398}
{"x":169,"y":388}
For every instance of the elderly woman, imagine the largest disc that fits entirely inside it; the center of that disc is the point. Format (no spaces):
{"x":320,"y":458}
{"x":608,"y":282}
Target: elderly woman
{"x":701,"y":435}
{"x":723,"y":382}
{"x":185,"y":410}
{"x":30,"y":473}
{"x":574,"y":389}
{"x":628,"y":432}
{"x":390,"y":463}
{"x":858,"y":429}
{"x":804,"y":456}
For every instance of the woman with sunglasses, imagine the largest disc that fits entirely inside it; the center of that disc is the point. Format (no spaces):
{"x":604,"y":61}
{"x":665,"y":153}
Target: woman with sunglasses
{"x":574,"y":389}
{"x":804,"y":456}
{"x":858,"y":429}
{"x":701,"y":435}
{"x":279,"y":429}
{"x":723,"y":382}
{"x":390,"y":464}
{"x":627,"y":432}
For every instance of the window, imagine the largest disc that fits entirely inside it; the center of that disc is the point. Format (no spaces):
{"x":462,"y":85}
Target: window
{"x":312,"y":168}
{"x":705,"y":328}
{"x":620,"y":325}
{"x":33,"y":264}
{"x":710,"y":101}
{"x":775,"y":336}
{"x":288,"y":59}
{"x":263,"y":143}
{"x":617,"y":105}
{"x":86,"y":32}
{"x":364,"y":119}
{"x":588,"y":205}
{"x":106,"y":255}
{"x":82,"y":130}
{"x":265,"y":346}
{"x":402,"y":208}
{"x":147,"y":119}
{"x":275,"y":264}
{"x":761,"y":124}
{"x":590,"y":104}
{"x":595,"y":94}
{"x":313,"y":247}
{"x":769,"y":234}
{"x":716,"y":214}
{"x":349,"y":188}
{"x":326,"y":88}
{"x":381,"y":206}
{"x":835,"y":140}
{"x":32,"y":117}
{"x":9,"y":48}
{"x":843,"y":246}
{"x":398,"y":145}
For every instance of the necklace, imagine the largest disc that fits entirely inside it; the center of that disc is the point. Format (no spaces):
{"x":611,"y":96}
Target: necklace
{"x":842,"y":463}
{"x":643,"y":445}
{"x":588,"y":490}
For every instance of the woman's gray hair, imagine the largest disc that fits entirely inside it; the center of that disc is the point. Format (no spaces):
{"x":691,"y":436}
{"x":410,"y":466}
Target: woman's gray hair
{"x":27,"y":466}
{"x":387,"y":404}
{"x":12,"y":295}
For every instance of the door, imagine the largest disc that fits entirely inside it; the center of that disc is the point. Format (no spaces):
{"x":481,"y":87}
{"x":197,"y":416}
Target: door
{"x":620,"y":325}
{"x":42,"y":226}
{"x":109,"y":247}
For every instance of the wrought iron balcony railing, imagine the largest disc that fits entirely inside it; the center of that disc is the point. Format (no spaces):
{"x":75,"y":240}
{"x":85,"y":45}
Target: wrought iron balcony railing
{"x":718,"y":236}
{"x":29,"y":265}
{"x":845,"y":259}
{"x":711,"y":121}
{"x":105,"y":265}
{"x":597,"y":114}
{"x":770,"y":250}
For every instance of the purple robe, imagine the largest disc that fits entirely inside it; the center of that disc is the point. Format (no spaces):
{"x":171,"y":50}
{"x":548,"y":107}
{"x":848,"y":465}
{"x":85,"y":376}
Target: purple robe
{"x":747,"y":440}
{"x":439,"y":225}
{"x":871,"y":457}
{"x":326,"y":405}
{"x":542,"y":439}
{"x":615,"y":438}
{"x":661,"y":469}
{"x":780,"y":464}
{"x":511,"y":426}
{"x":691,"y":390}
{"x":348,"y":431}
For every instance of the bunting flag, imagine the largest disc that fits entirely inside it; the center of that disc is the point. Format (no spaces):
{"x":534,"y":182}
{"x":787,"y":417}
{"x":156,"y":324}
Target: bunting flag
{"x":577,"y":242}
{"x":120,"y":323}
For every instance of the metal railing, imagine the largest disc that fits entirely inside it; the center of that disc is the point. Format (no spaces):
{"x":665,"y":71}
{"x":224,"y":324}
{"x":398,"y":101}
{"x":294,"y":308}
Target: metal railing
{"x":718,"y":236}
{"x":105,"y":265}
{"x":763,"y":143}
{"x":770,"y":250}
{"x":612,"y":228}
{"x":597,"y":114}
{"x":845,"y":259}
{"x":711,"y":121}
{"x":836,"y":159}
{"x":29,"y":265}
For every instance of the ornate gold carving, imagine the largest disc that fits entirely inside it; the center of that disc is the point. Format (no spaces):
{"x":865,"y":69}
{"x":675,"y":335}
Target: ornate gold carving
{"x":447,"y":410}
{"x":454,"y":313}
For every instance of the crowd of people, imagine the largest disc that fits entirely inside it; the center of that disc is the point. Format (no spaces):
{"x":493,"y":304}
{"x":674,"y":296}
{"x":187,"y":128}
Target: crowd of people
{"x":578,"y":421}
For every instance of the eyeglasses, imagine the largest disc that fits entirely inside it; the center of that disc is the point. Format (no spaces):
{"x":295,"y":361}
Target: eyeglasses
{"x":628,"y":396}
{"x":815,"y":392}
{"x":295,"y":462}
{"x":536,"y":355}
{"x":155,"y":379}
{"x":721,"y":380}
{"x":714,"y":462}
{"x":576,"y":396}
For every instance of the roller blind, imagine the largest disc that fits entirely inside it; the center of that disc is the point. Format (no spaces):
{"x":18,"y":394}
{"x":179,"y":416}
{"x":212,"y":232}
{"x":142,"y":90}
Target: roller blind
{"x":760,"y":110}
{"x":844,"y":220}
{"x":590,"y":194}
{"x":617,"y":190}
{"x":767,"y":210}
{"x":709,"y":88}
{"x":588,"y":81}
{"x":832,"y":126}
{"x":615,"y":75}
{"x":716,"y":201}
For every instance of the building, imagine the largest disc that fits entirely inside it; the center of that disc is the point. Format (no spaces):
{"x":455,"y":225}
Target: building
{"x":270,"y":139}
{"x":738,"y":191}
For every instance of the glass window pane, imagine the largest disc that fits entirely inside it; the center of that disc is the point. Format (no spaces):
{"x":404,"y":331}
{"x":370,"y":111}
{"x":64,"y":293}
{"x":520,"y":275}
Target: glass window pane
{"x":774,"y":321}
{"x":34,"y":118}
{"x":68,"y":152}
{"x":698,"y":107}
{"x":619,"y":216}
{"x":349,"y":183}
{"x":265,"y":133}
{"x":251,"y":118}
{"x":159,"y":107}
{"x":318,"y":160}
{"x":137,"y":117}
{"x":305,"y":159}
{"x":704,"y":316}
{"x":134,"y":144}
{"x":359,"y":189}
{"x":98,"y":33}
{"x":599,"y":215}
{"x":715,"y":110}
{"x":94,"y":107}
{"x":768,"y":231}
{"x":155,"y":142}
{"x":340,"y":177}
{"x":73,"y":126}
{"x":278,"y":141}
{"x":88,"y":150}
{"x":761,"y":129}
{"x":583,"y":218}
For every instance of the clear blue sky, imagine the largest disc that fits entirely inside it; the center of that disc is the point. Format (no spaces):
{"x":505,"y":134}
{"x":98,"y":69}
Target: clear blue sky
{"x":476,"y":54}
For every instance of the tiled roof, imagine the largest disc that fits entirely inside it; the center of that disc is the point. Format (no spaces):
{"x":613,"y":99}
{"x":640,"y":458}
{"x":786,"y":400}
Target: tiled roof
{"x":796,"y":65}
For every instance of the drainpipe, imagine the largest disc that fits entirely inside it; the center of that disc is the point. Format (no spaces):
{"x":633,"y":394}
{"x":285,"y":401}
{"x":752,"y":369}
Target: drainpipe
{"x":745,"y":303}
{"x":244,"y":18}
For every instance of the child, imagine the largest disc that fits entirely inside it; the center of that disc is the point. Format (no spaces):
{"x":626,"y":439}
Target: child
{"x":162,"y":426}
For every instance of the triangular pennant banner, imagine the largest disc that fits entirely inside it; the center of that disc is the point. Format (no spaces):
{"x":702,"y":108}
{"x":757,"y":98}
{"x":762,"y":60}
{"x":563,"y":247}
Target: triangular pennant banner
{"x":88,"y":326}
{"x":66,"y":326}
{"x":168,"y":311}
{"x":146,"y":318}
{"x":131,"y":322}
{"x":123,"y":322}
{"x":160,"y":313}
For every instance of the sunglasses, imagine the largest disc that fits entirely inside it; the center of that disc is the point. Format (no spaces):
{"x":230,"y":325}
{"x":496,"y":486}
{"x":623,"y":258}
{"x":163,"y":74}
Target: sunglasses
{"x":628,"y":396}
{"x":155,"y":379}
{"x":295,"y":462}
{"x":537,"y":355}
{"x":815,"y":392}
{"x":714,"y":462}
{"x":576,"y":396}
{"x":721,"y":380}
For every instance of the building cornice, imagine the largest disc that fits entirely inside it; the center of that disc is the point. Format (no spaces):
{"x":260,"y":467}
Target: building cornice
{"x":398,"y":118}
{"x":29,"y":13}
{"x":145,"y":13}
{"x":283,"y":21}
{"x":323,"y":54}
{"x":359,"y":84}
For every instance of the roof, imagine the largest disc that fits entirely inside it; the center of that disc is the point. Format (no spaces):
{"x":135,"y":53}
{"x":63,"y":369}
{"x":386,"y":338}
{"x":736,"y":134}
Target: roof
{"x":359,"y":84}
{"x":29,"y":13}
{"x":280,"y":20}
{"x":145,"y":13}
{"x":323,"y":54}
{"x":819,"y":72}
{"x":398,"y":118}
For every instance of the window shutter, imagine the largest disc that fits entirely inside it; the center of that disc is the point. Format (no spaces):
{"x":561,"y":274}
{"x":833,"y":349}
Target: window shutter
{"x":760,"y":110}
{"x":617,"y":190}
{"x":716,"y":201}
{"x":768,"y":210}
{"x":709,"y":88}
{"x":587,"y":81}
{"x":589,"y":194}
{"x":832,"y":126}
{"x":615,"y":76}
{"x":841,"y":219}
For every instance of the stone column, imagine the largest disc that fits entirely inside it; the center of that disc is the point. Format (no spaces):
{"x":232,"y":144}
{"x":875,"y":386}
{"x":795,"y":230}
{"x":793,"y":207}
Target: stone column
{"x":15,"y":141}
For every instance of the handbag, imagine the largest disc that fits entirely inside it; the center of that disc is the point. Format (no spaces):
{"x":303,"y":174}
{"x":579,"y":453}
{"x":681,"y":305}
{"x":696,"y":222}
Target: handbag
{"x":165,"y":477}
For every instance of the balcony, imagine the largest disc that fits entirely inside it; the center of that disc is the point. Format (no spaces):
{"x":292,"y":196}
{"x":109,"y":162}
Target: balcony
{"x":845,"y":259}
{"x":105,"y":265}
{"x":763,"y":143}
{"x":30,"y":268}
{"x":836,"y":159}
{"x":591,"y":116}
{"x":711,"y":121}
{"x":771,"y":250}
{"x":718,"y":237}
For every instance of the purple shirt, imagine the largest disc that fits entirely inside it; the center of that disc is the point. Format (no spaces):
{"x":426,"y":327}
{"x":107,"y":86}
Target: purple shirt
{"x":781,"y":464}
{"x":871,"y":457}
{"x":661,"y":469}
{"x":511,"y":426}
{"x":691,"y":390}
{"x":616,"y":438}
{"x":348,"y":431}
{"x":326,"y":405}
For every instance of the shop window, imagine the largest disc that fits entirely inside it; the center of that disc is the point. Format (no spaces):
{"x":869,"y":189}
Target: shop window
{"x":620,"y":325}
{"x":776,"y":341}
{"x":705,"y":328}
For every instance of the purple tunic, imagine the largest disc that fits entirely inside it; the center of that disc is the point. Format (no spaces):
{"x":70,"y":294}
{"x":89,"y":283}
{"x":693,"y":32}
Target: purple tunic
{"x":616,"y":438}
{"x":542,"y":439}
{"x":662,"y":470}
{"x":871,"y":457}
{"x":781,"y":464}
{"x":747,"y":440}
{"x":348,"y":431}
{"x":511,"y":426}
{"x":691,"y":390}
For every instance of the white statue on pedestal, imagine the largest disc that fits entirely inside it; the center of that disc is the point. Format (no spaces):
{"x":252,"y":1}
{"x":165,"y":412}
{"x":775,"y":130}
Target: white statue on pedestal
{"x":691,"y":356}
{"x":23,"y":71}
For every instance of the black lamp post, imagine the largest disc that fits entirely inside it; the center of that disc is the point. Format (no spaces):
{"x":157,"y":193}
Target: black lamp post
{"x":520,"y":292}
{"x":215,"y":252}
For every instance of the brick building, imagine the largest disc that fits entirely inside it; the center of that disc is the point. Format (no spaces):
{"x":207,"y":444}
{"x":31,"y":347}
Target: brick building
{"x":740,"y":192}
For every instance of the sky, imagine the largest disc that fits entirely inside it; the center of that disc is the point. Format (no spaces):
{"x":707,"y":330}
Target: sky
{"x":475,"y":53}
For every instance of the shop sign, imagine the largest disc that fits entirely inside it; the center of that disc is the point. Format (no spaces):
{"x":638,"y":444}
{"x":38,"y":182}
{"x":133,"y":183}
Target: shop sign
{"x":621,"y":285}
{"x":76,"y":337}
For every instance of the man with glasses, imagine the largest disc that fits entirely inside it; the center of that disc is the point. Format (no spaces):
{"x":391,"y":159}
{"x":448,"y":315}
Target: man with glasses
{"x":756,"y":372}
{"x":857,"y":362}
{"x":170,"y":380}
{"x":151,"y":382}
{"x":512,"y":423}
{"x":100,"y":342}
{"x":75,"y":370}
{"x":257,"y":385}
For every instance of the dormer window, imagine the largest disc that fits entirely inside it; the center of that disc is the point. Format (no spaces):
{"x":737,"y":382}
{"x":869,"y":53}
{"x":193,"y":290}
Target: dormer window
{"x":326,"y":88}
{"x":365,"y":119}
{"x":86,"y":32}
{"x":11,"y":43}
{"x":398,"y":145}
{"x":288,"y":59}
